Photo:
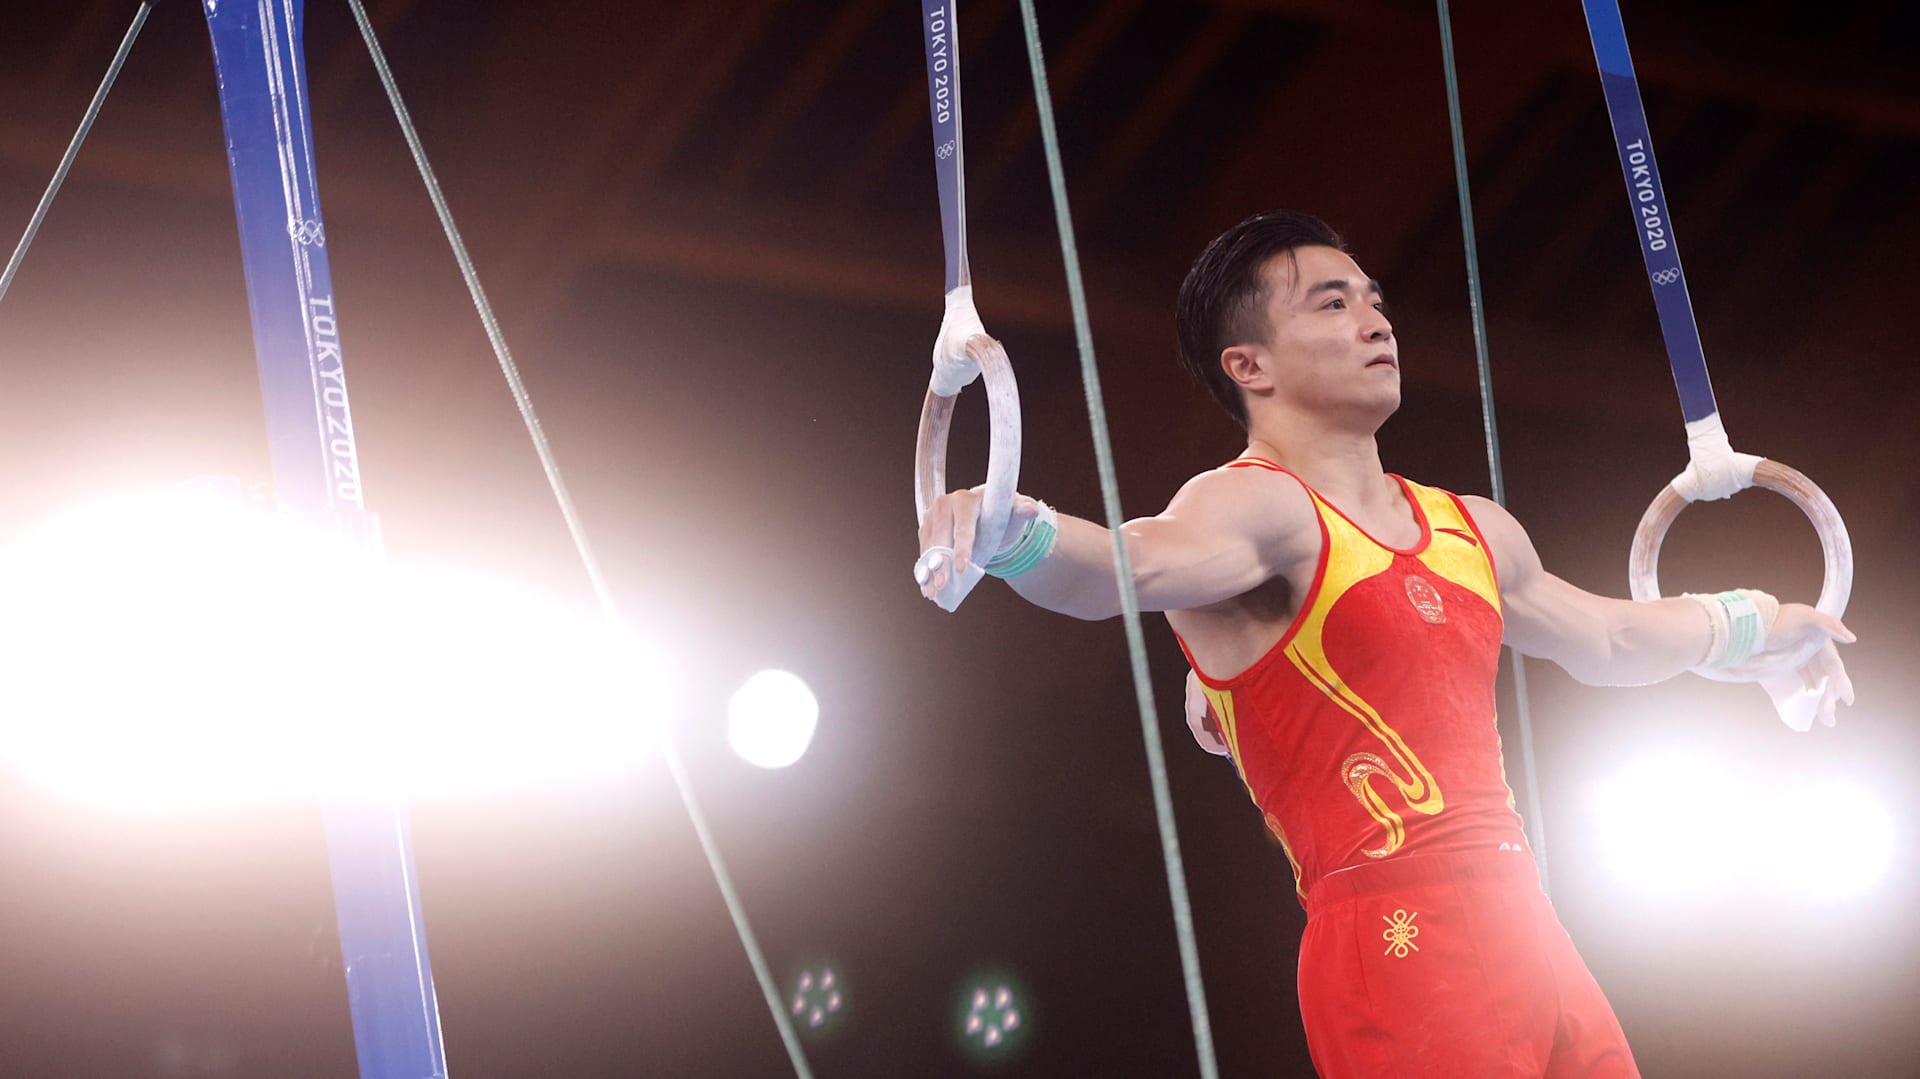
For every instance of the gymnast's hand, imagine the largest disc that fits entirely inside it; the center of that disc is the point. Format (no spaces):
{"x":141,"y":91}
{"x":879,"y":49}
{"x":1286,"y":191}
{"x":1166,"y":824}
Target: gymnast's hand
{"x":1201,"y":720}
{"x":948,"y":529}
{"x":1800,"y":660}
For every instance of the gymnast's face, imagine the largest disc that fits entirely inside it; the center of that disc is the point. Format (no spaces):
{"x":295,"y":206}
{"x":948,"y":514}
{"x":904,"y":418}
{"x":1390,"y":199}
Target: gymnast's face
{"x":1329,"y":347}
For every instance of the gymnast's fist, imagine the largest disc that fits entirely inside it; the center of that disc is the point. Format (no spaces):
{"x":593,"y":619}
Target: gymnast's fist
{"x":947,"y":534}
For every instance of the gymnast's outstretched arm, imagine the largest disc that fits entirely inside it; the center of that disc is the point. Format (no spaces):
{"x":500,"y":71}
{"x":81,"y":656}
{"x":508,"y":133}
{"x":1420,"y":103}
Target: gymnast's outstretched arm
{"x":1204,"y":548}
{"x":1603,"y":641}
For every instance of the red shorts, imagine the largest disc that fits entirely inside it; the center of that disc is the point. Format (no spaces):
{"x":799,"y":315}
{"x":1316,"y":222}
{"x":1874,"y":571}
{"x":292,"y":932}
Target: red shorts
{"x":1450,"y":965}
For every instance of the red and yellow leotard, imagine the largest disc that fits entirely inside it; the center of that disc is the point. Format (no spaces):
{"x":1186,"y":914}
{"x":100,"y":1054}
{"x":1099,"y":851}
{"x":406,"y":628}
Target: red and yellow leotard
{"x":1367,"y":732}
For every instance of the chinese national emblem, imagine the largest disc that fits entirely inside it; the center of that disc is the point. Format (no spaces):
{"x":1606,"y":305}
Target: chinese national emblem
{"x":1425,"y":599}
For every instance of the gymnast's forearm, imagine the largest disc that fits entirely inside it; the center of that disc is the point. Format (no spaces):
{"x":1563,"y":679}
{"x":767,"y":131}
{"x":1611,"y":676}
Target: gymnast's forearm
{"x":1628,"y":643}
{"x":1077,"y":577}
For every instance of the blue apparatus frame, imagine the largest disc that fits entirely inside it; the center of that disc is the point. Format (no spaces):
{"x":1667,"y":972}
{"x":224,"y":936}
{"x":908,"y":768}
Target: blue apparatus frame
{"x":259,"y":58}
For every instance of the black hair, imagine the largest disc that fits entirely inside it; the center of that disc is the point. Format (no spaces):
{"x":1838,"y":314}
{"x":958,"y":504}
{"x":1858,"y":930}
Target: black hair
{"x":1223,"y":300}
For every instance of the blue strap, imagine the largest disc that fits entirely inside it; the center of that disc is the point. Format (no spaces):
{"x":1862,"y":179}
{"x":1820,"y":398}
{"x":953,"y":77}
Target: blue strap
{"x":941,"y":31}
{"x":258,"y":58}
{"x":1652,"y":218}
{"x":260,"y":62}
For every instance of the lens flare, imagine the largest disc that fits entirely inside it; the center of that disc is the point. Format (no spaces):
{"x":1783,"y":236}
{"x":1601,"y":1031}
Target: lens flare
{"x":992,"y":1015}
{"x":818,"y":1000}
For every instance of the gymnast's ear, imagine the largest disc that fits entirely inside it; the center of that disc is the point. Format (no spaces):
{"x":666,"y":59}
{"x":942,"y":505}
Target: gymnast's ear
{"x":1243,"y":365}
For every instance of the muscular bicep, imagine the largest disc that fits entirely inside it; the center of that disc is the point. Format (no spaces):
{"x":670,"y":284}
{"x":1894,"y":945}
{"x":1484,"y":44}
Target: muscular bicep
{"x":1544,"y":615}
{"x":1551,"y":619}
{"x":1597,"y":639}
{"x":1225,"y":534}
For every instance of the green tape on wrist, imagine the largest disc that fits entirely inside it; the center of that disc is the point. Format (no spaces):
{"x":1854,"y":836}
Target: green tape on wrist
{"x":1744,"y":627}
{"x":1007,"y":553}
{"x":1033,"y":546}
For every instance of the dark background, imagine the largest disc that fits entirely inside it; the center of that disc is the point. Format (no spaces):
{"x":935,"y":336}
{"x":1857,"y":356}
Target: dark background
{"x":712,"y":234}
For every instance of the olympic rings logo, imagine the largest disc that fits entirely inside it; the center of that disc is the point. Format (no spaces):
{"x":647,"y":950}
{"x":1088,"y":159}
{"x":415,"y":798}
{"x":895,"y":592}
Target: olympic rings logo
{"x":945,"y":150}
{"x":1666,"y":277}
{"x":307,"y":232}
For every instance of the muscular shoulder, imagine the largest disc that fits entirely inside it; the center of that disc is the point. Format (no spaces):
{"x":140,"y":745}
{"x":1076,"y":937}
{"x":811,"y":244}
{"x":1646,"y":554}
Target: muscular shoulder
{"x":1270,"y":510}
{"x":1511,"y":547}
{"x":1263,"y":542}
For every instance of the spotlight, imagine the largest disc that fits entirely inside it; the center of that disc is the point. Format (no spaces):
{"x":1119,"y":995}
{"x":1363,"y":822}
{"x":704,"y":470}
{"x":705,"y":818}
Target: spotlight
{"x":1837,"y":839}
{"x":1678,"y":825}
{"x":183,"y":652}
{"x":1665,"y":825}
{"x":771,"y":718}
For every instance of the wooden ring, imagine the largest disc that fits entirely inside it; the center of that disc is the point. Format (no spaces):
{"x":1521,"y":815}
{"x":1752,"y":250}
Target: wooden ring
{"x":1003,"y":458}
{"x":1643,"y":563}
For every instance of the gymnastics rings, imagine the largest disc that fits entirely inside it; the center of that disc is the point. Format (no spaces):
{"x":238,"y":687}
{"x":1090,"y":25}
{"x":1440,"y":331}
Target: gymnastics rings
{"x":1003,"y":466}
{"x":1716,"y":471}
{"x":1643,"y":563}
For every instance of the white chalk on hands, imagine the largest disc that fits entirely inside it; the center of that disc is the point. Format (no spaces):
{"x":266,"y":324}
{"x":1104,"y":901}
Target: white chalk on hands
{"x":930,"y":560}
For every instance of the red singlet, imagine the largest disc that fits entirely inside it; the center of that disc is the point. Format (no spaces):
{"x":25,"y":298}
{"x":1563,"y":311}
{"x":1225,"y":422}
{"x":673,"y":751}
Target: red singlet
{"x":1367,"y":731}
{"x":1366,"y":736}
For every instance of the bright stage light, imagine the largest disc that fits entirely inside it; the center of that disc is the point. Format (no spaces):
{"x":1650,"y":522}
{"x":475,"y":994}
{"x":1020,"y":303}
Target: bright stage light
{"x":179,"y":651}
{"x":1679,"y":825}
{"x":1668,"y":825}
{"x":771,"y":718}
{"x":1837,"y":839}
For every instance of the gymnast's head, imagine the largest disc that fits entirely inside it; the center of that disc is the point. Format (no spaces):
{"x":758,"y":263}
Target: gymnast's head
{"x":1276,"y":319}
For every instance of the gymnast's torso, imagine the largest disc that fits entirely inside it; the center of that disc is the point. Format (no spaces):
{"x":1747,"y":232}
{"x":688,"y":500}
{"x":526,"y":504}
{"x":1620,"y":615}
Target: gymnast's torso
{"x":1366,"y":731}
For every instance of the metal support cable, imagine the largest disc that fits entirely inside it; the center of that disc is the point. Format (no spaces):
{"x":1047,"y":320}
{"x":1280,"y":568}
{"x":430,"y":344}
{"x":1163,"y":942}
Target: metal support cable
{"x":73,"y":147}
{"x":1129,"y":601}
{"x":577,"y":529}
{"x":1535,"y":826}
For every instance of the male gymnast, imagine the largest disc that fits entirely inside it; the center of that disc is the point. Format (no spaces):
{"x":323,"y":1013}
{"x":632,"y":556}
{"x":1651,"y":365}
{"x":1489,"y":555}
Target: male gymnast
{"x":1343,"y":626}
